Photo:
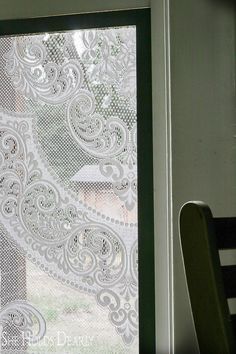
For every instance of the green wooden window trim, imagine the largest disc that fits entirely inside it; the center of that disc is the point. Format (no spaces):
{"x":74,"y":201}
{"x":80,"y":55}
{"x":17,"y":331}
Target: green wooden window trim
{"x":141,"y":19}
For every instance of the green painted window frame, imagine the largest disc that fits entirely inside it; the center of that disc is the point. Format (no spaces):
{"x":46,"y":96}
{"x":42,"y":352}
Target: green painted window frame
{"x":141,"y":19}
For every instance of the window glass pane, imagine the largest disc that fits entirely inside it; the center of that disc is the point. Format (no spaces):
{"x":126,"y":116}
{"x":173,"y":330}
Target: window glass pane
{"x":68,"y":192}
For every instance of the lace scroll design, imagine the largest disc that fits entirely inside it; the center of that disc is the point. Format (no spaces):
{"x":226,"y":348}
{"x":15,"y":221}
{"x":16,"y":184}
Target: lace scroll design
{"x":123,"y":310}
{"x":62,"y":238}
{"x":38,"y":80}
{"x":26,"y":318}
{"x":108,"y":59}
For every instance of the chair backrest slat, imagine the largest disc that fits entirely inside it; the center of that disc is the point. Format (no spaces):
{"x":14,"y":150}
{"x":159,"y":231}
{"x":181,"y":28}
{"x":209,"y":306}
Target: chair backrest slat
{"x":233,"y":320}
{"x":225,"y":230}
{"x":229,"y":279}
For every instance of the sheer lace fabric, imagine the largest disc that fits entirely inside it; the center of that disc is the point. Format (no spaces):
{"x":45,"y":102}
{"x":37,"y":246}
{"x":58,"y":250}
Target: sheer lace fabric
{"x":68,"y":181}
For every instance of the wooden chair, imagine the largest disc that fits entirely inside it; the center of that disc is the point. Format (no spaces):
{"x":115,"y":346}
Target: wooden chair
{"x":209,"y":283}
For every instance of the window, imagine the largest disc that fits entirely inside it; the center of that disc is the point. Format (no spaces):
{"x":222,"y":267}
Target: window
{"x":76,"y":184}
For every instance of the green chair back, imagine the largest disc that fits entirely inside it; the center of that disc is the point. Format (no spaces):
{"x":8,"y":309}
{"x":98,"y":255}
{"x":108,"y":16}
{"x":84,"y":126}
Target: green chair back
{"x":209,"y":284}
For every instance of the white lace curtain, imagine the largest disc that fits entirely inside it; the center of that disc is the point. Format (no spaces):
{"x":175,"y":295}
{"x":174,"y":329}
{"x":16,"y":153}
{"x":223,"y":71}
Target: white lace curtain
{"x":68,"y":186}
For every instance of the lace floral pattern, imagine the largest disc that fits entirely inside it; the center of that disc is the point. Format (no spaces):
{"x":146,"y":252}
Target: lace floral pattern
{"x":46,"y":221}
{"x":41,"y":80}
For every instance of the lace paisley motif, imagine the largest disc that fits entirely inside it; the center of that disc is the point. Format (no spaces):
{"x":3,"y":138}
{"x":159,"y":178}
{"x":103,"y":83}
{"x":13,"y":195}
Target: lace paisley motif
{"x":53,"y":231}
{"x":26,"y":318}
{"x":39,"y":80}
{"x":47,"y":82}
